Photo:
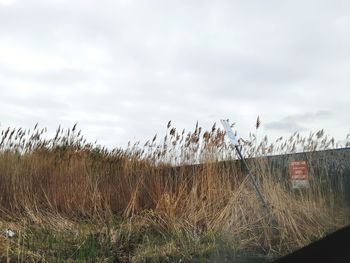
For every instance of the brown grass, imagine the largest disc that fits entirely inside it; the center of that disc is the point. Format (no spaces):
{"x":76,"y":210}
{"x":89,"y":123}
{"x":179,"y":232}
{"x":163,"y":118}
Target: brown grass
{"x":65,"y":179}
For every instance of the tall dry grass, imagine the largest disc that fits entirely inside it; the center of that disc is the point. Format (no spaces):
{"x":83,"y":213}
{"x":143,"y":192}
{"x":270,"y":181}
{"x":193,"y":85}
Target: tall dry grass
{"x":160,"y":185}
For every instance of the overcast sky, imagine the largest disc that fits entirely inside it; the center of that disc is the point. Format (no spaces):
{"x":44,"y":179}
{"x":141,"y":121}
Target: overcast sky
{"x":123,"y":69}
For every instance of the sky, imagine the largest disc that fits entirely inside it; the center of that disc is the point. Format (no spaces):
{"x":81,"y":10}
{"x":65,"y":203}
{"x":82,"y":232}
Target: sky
{"x":122,"y":69}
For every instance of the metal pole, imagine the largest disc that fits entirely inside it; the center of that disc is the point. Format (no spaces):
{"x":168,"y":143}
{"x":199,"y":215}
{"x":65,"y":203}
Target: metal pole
{"x":252,"y":178}
{"x":234,"y":142}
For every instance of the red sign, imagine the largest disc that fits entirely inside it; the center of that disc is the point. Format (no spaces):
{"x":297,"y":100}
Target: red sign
{"x":298,"y":170}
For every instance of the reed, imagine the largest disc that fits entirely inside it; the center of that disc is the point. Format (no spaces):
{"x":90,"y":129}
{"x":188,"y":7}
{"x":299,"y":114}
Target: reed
{"x":168,"y":206}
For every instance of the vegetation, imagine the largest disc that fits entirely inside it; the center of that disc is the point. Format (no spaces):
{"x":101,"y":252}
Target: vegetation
{"x":70,"y":200}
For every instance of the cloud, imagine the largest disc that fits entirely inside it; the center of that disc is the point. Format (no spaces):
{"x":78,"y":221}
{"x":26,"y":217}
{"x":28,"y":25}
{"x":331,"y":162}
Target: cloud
{"x":122,"y":69}
{"x":298,"y":122}
{"x":6,"y":2}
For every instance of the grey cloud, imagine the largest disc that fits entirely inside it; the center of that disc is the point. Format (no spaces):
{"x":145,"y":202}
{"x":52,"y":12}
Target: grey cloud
{"x":65,"y":76}
{"x":285,"y":125}
{"x":298,"y":122}
{"x":62,"y":77}
{"x":180,"y":60}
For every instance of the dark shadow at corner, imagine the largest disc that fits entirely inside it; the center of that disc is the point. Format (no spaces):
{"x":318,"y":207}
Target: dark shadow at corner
{"x":334,"y":248}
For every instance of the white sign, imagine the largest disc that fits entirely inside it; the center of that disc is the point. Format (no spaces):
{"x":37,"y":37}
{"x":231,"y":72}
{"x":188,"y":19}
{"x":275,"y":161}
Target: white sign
{"x":229,"y":132}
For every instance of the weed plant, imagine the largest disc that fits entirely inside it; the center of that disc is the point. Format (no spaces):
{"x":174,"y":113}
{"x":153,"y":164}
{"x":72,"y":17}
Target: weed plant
{"x":184,"y":197}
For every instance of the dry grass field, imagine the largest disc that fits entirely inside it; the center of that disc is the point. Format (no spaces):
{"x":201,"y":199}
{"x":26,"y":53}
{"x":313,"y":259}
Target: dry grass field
{"x":68,"y":200}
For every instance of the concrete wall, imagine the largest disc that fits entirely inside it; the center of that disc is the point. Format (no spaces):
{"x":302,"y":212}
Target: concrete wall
{"x":329,"y":169}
